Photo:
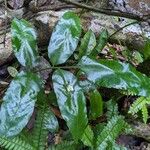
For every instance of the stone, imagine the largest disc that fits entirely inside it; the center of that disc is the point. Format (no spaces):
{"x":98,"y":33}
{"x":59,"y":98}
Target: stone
{"x":139,"y":7}
{"x":5,"y":49}
{"x":15,"y":4}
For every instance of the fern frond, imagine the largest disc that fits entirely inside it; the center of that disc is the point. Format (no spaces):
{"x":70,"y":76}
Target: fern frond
{"x":15,"y":143}
{"x":140,"y":105}
{"x":45,"y":122}
{"x":144,"y":113}
{"x":111,"y":131}
{"x":40,"y":133}
{"x":137,"y":105}
{"x":112,"y":109}
{"x":127,"y":92}
{"x":66,"y":145}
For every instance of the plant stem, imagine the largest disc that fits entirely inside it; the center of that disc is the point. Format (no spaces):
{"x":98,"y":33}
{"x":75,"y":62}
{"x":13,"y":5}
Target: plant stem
{"x":56,"y":67}
{"x":135,"y":22}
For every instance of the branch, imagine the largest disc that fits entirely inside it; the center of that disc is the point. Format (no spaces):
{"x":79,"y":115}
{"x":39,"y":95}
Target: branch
{"x":57,"y":67}
{"x":109,"y":12}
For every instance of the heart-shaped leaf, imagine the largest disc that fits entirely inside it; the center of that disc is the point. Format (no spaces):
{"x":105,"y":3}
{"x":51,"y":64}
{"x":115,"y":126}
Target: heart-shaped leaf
{"x":71,"y":102}
{"x":18,"y":103}
{"x":65,"y":38}
{"x":24,"y":42}
{"x":115,"y":74}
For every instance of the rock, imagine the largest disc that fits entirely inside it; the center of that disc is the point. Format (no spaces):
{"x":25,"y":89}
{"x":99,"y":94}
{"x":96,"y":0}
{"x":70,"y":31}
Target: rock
{"x":140,"y":7}
{"x":6,"y":50}
{"x":45,"y":22}
{"x":140,"y":130}
{"x":44,"y":25}
{"x":42,"y":64}
{"x":130,"y":36}
{"x":15,"y":4}
{"x":39,"y":2}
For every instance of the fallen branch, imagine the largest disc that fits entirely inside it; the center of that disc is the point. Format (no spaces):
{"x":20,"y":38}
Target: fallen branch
{"x":109,"y":12}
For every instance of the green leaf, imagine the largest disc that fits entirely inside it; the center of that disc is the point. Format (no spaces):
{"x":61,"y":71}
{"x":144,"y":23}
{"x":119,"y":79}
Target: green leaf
{"x":71,"y":102}
{"x":88,"y":137}
{"x":138,"y":58}
{"x":115,"y":74}
{"x":145,"y":114}
{"x":15,"y":143}
{"x":18,"y":103}
{"x":50,"y":122}
{"x":12,"y":71}
{"x":102,"y":41}
{"x":87,"y":85}
{"x":96,"y":104}
{"x":65,"y":38}
{"x":110,"y":132}
{"x":24,"y":42}
{"x":45,"y":122}
{"x":147,"y":49}
{"x":87,"y":44}
{"x":112,"y":109}
{"x":98,"y":129}
{"x":137,"y":105}
{"x":140,"y":104}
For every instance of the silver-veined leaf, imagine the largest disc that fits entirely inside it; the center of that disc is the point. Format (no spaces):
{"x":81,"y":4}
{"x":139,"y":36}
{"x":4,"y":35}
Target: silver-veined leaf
{"x":115,"y":74}
{"x":18,"y":103}
{"x":24,"y":42}
{"x":71,"y":102}
{"x":65,"y":38}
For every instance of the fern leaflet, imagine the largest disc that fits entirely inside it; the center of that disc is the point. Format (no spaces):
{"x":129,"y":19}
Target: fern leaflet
{"x":15,"y":143}
{"x":112,"y":109}
{"x":128,"y":92}
{"x":113,"y":128}
{"x":140,"y":104}
{"x":144,"y":113}
{"x":65,"y":145}
{"x":41,"y":129}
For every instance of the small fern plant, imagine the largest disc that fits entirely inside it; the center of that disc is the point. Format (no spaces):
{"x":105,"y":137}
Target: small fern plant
{"x":140,"y":105}
{"x":23,"y":96}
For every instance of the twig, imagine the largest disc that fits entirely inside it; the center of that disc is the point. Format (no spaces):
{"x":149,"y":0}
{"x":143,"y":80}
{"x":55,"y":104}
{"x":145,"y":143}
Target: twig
{"x":57,"y":67}
{"x":108,"y":12}
{"x":49,"y":7}
{"x":135,"y":22}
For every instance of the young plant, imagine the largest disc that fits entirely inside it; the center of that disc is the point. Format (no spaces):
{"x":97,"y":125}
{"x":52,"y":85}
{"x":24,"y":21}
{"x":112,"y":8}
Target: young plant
{"x":22,"y":96}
